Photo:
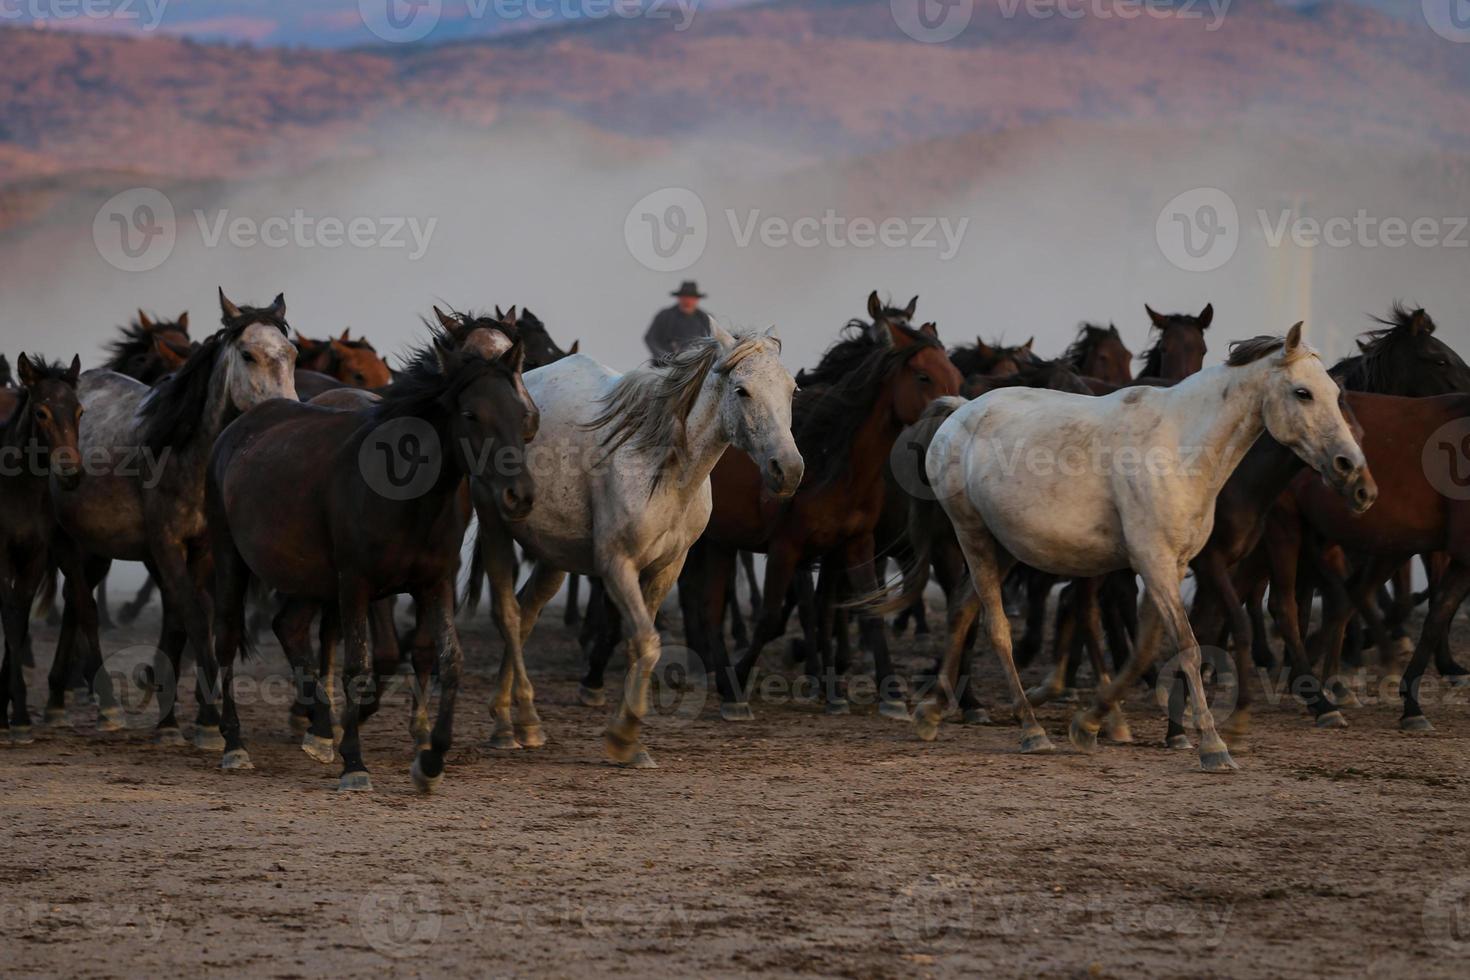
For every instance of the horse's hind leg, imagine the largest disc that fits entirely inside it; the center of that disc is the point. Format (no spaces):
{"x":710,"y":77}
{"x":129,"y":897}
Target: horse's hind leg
{"x":963,"y":608}
{"x":130,"y":612}
{"x":437,"y":606}
{"x":311,"y":712}
{"x":570,"y":615}
{"x":1445,"y":599}
{"x":602,"y":640}
{"x":989,"y":563}
{"x":544,"y":583}
{"x":231,"y":588}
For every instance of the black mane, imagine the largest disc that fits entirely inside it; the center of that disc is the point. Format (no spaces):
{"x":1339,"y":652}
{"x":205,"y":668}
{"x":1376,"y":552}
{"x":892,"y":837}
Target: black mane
{"x":7,"y":380}
{"x":1088,"y":335}
{"x":826,"y":415}
{"x":1373,"y":368}
{"x":133,"y":354}
{"x":173,"y":411}
{"x":968,"y":360}
{"x":422,"y":389}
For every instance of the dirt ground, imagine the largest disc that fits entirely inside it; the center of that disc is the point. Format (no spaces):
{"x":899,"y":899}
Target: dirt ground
{"x":799,"y":844}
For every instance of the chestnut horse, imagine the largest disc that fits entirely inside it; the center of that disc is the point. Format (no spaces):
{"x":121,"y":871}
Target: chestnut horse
{"x":384,"y":512}
{"x":863,"y":394}
{"x":353,"y":363}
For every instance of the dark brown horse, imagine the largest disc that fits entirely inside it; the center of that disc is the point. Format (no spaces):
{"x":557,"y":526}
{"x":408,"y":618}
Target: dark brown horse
{"x":384,"y":513}
{"x":991,"y":360}
{"x":862,"y":395}
{"x":1099,"y":352}
{"x":37,"y":443}
{"x":1179,"y":351}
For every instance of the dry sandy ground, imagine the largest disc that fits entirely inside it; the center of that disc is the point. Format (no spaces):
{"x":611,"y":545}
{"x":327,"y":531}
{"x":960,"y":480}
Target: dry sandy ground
{"x":800,"y":844}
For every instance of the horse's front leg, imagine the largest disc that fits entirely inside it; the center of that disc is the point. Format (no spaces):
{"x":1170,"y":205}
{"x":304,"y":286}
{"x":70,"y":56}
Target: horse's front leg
{"x":19,"y":590}
{"x":181,"y":593}
{"x":863,"y":581}
{"x":637,"y":599}
{"x":311,"y":712}
{"x":352,"y":606}
{"x":781,"y":562}
{"x":544,"y":583}
{"x":436,"y":605}
{"x":498,"y":553}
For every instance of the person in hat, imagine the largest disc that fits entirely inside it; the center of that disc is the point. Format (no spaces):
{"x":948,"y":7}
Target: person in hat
{"x":672,"y":329}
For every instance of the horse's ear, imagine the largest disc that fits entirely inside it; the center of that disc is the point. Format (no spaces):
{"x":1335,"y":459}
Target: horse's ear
{"x":913,"y":305}
{"x":143,"y":321}
{"x":1158,"y":319}
{"x":183,"y":321}
{"x":510,"y":316}
{"x":499,"y":315}
{"x":726,"y":341}
{"x":930,"y":329}
{"x":982,"y":348}
{"x":230,"y":310}
{"x":1027,"y":345}
{"x":445,"y":320}
{"x":875,"y":306}
{"x":278,"y":305}
{"x":1294,"y":338}
{"x":1206,"y":316}
{"x":1113,"y":329}
{"x":74,"y":373}
{"x":576,"y":347}
{"x":1420,"y":323}
{"x":346,"y":332}
{"x":25,"y":370}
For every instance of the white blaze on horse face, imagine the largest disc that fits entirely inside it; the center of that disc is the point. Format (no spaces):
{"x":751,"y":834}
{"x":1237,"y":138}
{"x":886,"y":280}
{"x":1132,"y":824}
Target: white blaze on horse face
{"x":755,"y":412}
{"x":262,"y":366}
{"x":1301,"y":410}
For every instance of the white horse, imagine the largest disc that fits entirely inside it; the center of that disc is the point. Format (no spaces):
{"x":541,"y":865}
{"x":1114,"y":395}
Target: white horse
{"x":621,"y":465}
{"x":1080,"y":486}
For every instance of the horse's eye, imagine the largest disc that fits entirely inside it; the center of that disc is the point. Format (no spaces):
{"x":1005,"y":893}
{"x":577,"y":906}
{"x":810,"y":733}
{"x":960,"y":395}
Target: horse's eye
{"x":923,"y":378}
{"x":742,"y":392}
{"x":43,"y":413}
{"x":468,"y":416}
{"x":1443,"y":362}
{"x":247,"y":357}
{"x":1303,"y":394}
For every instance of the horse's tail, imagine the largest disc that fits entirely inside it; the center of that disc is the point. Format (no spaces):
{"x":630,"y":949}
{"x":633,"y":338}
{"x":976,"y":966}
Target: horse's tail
{"x":469,"y":600}
{"x":46,"y":595}
{"x":926,"y":519}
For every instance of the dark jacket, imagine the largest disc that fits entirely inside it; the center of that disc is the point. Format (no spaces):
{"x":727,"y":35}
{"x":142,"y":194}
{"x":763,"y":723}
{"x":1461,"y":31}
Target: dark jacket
{"x":672,"y":331}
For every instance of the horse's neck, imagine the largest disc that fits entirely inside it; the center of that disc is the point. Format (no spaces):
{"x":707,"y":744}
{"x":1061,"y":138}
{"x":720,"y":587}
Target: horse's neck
{"x":704,"y":441}
{"x":1220,"y":417}
{"x":872,"y":444}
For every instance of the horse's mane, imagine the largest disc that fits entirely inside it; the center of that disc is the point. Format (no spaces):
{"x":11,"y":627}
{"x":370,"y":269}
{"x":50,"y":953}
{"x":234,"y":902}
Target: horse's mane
{"x":1244,"y":352}
{"x":7,"y":380}
{"x":856,"y":340}
{"x":462,"y":324}
{"x":1368,"y":369}
{"x":968,"y":360}
{"x":422,"y":389}
{"x":1048,"y":374}
{"x":649,"y":406}
{"x":127,"y":353}
{"x":1088,"y":334}
{"x":172,"y":411}
{"x":827,"y":416}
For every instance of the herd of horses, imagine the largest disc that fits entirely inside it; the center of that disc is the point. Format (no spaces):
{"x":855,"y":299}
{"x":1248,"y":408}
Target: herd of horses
{"x":255,"y":469}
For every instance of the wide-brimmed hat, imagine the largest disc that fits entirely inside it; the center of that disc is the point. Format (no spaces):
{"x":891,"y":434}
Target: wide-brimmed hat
{"x":688,"y":288}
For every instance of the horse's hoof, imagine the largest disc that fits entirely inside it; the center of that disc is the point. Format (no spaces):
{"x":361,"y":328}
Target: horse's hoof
{"x":318,"y":748}
{"x":837,"y":706}
{"x":591,"y":697}
{"x":1215,"y":757}
{"x":425,"y":783}
{"x":54,"y":718}
{"x":927,"y":720}
{"x":1456,"y":680}
{"x":21,"y":735}
{"x":976,"y":716}
{"x":355,"y":782}
{"x":1345,"y":697}
{"x":1034,"y":740}
{"x":1082,"y":733}
{"x":1038,"y":695}
{"x":170,"y":736}
{"x":1178,"y":742}
{"x":1118,"y":731}
{"x":530,"y":736}
{"x":111,"y":720}
{"x":236,"y":761}
{"x":1416,"y":723}
{"x":504,"y":740}
{"x":641,"y":760}
{"x":1331,"y":719}
{"x":621,"y":751}
{"x":299,"y":723}
{"x":896,"y":710}
{"x":209,"y":739}
{"x":736,"y":711}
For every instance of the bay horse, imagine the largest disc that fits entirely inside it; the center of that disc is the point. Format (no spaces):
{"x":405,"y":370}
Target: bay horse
{"x":1179,"y":351}
{"x":626,"y":492}
{"x":354,"y":363}
{"x":38,"y":442}
{"x":992,"y":360}
{"x":1131,"y":483}
{"x":368,"y":529}
{"x":142,"y":498}
{"x":847,"y":421}
{"x":1099,"y":352}
{"x":150,"y":348}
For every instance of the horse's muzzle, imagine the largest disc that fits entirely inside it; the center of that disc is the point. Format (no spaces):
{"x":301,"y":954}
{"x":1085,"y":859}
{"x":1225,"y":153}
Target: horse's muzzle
{"x":515,"y":502}
{"x":1355,"y":483}
{"x":783,"y":477}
